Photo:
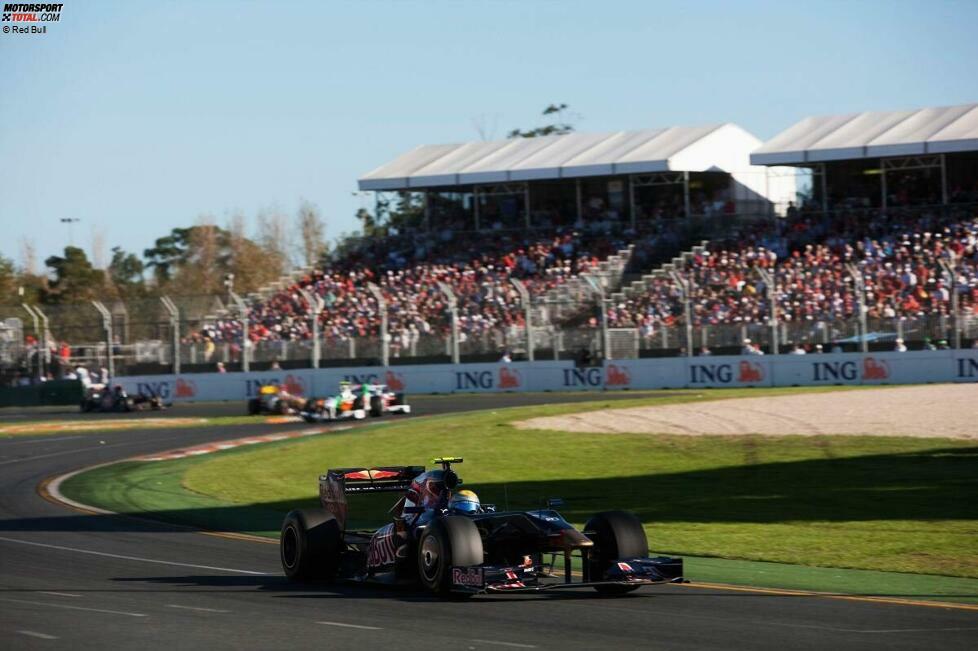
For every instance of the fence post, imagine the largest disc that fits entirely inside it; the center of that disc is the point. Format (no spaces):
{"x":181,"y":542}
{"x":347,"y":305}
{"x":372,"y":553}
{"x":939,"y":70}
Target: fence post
{"x":453,"y":314}
{"x":171,"y":309}
{"x":316,"y":305}
{"x":768,"y":279}
{"x":528,"y":315}
{"x":107,"y":325}
{"x":385,"y":349}
{"x":951,"y":269}
{"x":245,"y":340}
{"x":857,"y":277}
{"x":40,"y":337}
{"x":599,"y":292}
{"x":684,"y":290}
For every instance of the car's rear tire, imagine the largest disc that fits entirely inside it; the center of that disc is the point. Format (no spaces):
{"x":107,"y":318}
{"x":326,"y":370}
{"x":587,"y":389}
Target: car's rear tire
{"x":616,"y":535}
{"x":281,"y":407}
{"x":310,"y":545}
{"x":376,"y":406}
{"x":254,"y":407}
{"x":448,"y":541}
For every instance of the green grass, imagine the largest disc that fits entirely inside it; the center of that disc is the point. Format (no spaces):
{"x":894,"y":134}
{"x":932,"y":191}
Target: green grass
{"x":799,"y":504}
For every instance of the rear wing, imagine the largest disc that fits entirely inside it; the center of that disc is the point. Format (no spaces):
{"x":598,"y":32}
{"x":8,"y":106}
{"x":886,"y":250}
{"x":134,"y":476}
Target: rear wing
{"x":338,"y":482}
{"x":374,"y":480}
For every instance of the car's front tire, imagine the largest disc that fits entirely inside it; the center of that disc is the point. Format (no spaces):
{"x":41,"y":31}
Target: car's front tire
{"x":616,"y":535}
{"x":310,"y":545}
{"x":448,"y":541}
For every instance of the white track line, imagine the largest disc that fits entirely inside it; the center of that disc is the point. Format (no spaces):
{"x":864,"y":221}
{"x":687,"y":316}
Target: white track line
{"x":90,"y":610}
{"x":341,"y":624}
{"x":43,"y":636}
{"x":203,"y":610}
{"x":132,"y":558}
{"x":516,"y":645}
{"x":58,"y":594}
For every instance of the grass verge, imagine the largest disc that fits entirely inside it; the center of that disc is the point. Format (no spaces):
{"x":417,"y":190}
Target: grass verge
{"x":890,"y":516}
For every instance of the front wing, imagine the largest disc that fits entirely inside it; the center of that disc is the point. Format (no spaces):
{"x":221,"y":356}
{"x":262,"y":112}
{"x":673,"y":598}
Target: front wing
{"x":633,"y":571}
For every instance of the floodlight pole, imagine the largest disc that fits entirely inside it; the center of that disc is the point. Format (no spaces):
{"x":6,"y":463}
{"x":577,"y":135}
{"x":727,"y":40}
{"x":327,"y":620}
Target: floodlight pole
{"x":385,"y":349}
{"x":245,"y":341}
{"x":316,"y":305}
{"x":599,"y":292}
{"x":768,"y":279}
{"x":37,"y":331}
{"x":528,"y":314}
{"x":453,"y":314}
{"x":950,"y":267}
{"x":45,"y":335}
{"x":684,"y":289}
{"x":107,"y":326}
{"x":174,"y":313}
{"x":857,"y":277}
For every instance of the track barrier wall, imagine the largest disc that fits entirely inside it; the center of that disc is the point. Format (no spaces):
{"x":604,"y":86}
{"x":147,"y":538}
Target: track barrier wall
{"x":669,"y":373}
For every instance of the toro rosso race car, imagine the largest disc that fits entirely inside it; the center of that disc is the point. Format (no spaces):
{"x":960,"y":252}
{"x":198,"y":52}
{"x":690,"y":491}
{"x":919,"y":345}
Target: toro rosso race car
{"x":355,"y":401}
{"x":98,"y":397}
{"x":442,"y":539}
{"x":274,"y":399}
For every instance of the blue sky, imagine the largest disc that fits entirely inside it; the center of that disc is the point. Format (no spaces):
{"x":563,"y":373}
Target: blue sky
{"x":139,"y":116}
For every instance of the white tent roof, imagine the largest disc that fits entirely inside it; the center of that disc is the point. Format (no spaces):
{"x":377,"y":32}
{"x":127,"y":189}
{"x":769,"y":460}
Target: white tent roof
{"x":873,"y":134}
{"x":574,"y":155}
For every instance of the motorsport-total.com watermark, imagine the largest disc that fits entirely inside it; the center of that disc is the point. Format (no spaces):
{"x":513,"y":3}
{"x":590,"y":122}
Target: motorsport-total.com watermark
{"x":23,"y":18}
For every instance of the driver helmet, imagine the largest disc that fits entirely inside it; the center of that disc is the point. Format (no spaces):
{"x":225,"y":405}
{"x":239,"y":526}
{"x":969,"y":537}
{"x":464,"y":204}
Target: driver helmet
{"x":344,"y":386}
{"x":465,"y":502}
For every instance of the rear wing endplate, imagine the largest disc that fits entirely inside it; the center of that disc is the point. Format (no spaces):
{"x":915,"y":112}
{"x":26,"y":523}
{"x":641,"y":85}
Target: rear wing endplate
{"x":338,"y":482}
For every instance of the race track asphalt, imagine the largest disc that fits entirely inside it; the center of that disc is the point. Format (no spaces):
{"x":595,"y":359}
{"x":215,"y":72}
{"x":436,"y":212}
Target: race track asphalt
{"x":92,"y":581}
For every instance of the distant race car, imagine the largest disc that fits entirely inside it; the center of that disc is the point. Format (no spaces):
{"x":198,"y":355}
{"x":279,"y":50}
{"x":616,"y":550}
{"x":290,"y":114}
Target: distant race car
{"x":98,"y":397}
{"x":444,"y":540}
{"x":274,"y":399}
{"x":355,"y":401}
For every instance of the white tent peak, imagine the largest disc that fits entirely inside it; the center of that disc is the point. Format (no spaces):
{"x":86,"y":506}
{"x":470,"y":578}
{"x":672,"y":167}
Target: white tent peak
{"x":689,"y":149}
{"x":873,"y":134}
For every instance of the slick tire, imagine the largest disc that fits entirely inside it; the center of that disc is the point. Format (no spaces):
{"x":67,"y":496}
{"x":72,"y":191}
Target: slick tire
{"x":310,"y":545}
{"x":376,"y":406}
{"x":281,"y":408}
{"x":254,"y":407}
{"x":616,"y":535}
{"x":448,"y":541}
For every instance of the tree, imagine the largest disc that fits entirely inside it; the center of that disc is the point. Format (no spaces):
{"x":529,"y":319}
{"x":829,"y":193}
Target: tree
{"x":8,"y":282}
{"x":312,"y":233}
{"x":273,"y":237}
{"x":126,"y":274}
{"x":75,"y":279}
{"x":558,"y":127}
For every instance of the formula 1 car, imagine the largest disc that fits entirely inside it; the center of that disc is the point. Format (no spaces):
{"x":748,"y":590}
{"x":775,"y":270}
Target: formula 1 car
{"x":274,"y":399}
{"x":99,"y":398}
{"x":434,"y":547}
{"x":355,"y":401}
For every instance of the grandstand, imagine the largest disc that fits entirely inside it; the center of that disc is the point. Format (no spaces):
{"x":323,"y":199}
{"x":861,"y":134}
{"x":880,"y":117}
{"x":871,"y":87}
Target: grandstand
{"x":842,"y":232}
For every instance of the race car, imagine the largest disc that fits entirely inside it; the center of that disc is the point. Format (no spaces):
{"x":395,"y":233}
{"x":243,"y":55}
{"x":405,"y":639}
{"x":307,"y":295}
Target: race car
{"x":98,"y":397}
{"x":355,"y":401}
{"x":275,"y":399}
{"x":444,"y":540}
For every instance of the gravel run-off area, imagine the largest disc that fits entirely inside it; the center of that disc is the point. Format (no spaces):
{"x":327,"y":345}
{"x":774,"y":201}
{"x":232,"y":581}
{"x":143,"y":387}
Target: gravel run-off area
{"x":934,"y":410}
